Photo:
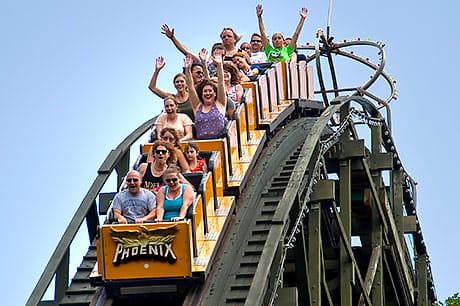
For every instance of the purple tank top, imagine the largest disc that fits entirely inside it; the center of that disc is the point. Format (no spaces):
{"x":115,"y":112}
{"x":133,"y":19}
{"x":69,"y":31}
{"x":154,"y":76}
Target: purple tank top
{"x":209,"y":125}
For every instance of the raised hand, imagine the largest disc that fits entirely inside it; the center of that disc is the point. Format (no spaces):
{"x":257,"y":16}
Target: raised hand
{"x":203,"y":55}
{"x":188,"y":61}
{"x":160,"y":63}
{"x":167,"y":31}
{"x":218,"y":59}
{"x":259,"y":10}
{"x":303,"y":13}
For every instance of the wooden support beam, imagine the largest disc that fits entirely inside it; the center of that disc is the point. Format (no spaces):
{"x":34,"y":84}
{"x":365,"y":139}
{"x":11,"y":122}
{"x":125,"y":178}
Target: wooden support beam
{"x":422,"y":279}
{"x":371,"y":271}
{"x":287,"y":296}
{"x":314,"y":253}
{"x":323,"y":190}
{"x":397,"y":201}
{"x":381,"y":161}
{"x":351,"y":149}
{"x":346,"y":267}
{"x":349,"y":251}
{"x":410,"y":224}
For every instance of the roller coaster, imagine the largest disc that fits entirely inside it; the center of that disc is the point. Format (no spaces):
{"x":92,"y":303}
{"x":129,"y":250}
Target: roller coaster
{"x":296,"y":209}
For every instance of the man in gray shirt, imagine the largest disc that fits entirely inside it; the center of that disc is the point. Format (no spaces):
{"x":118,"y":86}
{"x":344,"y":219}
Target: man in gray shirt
{"x":134,"y":204}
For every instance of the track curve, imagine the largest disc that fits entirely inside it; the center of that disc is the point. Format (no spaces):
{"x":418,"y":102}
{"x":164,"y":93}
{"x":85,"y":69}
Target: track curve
{"x":239,"y":269}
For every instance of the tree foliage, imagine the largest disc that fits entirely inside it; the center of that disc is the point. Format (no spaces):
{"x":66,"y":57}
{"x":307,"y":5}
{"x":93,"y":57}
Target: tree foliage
{"x":453,"y":300}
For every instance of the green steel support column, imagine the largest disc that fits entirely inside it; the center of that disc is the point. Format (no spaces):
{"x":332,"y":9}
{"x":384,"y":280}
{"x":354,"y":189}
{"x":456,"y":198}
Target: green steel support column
{"x":122,"y":168}
{"x":62,"y":277}
{"x":397,"y":199}
{"x":422,"y":279}
{"x":314,"y":253}
{"x":346,"y":267}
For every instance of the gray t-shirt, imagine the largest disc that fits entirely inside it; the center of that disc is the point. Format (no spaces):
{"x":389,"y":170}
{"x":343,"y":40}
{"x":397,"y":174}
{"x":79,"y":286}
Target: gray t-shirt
{"x":134,"y":206}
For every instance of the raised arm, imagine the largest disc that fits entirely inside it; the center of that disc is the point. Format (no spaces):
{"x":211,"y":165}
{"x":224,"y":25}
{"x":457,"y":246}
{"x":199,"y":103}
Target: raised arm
{"x":303,"y":15}
{"x":160,"y":63}
{"x":263,"y":35}
{"x":221,"y":92}
{"x":170,"y":34}
{"x":193,"y":96}
{"x":203,"y":59}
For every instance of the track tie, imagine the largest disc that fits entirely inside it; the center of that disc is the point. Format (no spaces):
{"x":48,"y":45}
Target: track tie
{"x":240,"y":287}
{"x":246,"y":275}
{"x":261,"y":231}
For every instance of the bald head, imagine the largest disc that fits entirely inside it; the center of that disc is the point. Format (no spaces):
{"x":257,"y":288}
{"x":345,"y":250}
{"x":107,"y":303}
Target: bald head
{"x":133,"y":181}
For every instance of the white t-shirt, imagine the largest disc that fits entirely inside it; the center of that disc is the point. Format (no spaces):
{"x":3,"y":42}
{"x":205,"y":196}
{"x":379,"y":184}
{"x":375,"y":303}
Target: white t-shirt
{"x":258,"y":57}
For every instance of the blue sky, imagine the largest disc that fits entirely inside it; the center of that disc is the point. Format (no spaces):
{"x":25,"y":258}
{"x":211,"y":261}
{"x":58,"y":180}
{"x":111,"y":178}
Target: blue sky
{"x":74,"y":78}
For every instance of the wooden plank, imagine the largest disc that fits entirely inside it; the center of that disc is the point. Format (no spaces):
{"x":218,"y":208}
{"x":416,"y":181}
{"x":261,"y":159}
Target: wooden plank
{"x":280,"y":72}
{"x":294,"y":92}
{"x":250,"y":100}
{"x":310,"y":84}
{"x":272,"y":90}
{"x":243,"y":129}
{"x":264,"y":98}
{"x":303,"y":81}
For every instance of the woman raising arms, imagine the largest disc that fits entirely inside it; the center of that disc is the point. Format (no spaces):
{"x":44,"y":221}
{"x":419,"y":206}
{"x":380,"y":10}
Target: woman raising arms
{"x":208,"y":102}
{"x":181,"y":94}
{"x":279,"y":52}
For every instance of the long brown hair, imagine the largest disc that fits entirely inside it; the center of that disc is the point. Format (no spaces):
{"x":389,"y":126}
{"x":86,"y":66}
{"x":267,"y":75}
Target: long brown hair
{"x":172,"y":155}
{"x":235,"y":77}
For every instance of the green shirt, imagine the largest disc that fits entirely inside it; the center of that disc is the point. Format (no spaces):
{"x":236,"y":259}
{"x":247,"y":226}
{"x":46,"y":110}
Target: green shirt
{"x":278,"y":54}
{"x":186,"y":108}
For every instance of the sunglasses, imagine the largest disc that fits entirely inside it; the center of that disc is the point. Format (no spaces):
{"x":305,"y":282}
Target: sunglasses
{"x":199,"y":72}
{"x":256,"y":40}
{"x":173,"y":180}
{"x":132,"y":180}
{"x":161,"y":151}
